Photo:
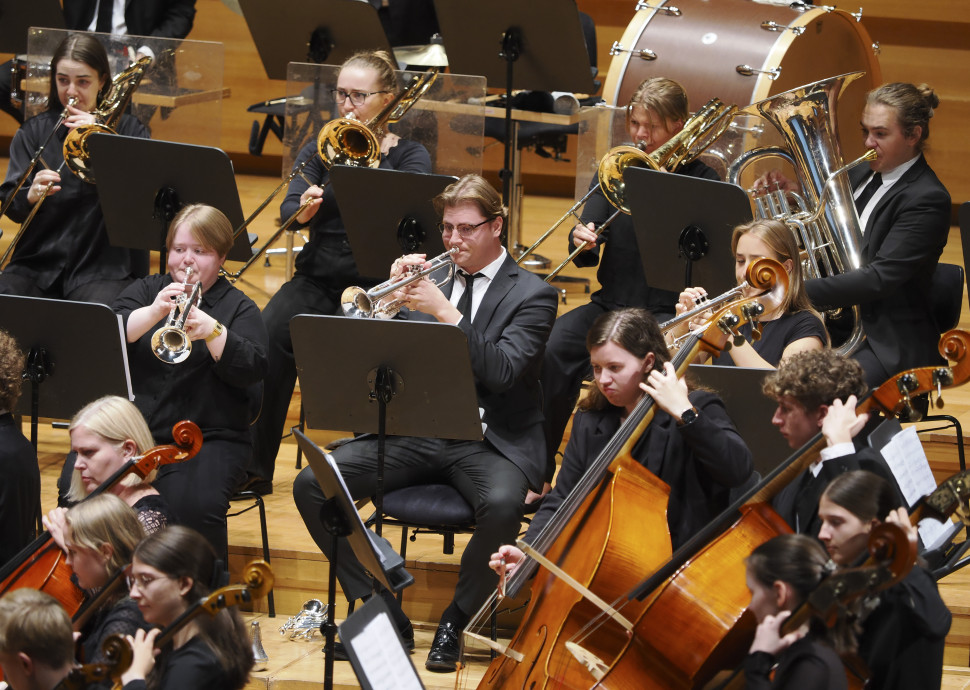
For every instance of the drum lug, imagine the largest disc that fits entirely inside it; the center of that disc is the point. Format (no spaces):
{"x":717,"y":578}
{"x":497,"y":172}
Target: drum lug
{"x":643,"y":54}
{"x":876,"y":48}
{"x":749,"y":71}
{"x":771,"y":25}
{"x":669,"y":11}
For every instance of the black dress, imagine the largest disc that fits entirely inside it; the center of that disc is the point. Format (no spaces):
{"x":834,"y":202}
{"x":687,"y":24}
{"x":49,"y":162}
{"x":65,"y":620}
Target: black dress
{"x":776,"y":336}
{"x":809,"y":664}
{"x":193,"y":666}
{"x":19,"y":489}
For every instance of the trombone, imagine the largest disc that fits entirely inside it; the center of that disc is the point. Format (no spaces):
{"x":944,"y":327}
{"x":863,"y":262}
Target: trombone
{"x":366,"y":304}
{"x":342,"y":141}
{"x":697,"y":134}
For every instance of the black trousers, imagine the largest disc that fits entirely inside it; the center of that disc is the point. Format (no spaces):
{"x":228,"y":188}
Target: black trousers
{"x":97,"y":291}
{"x":492,"y":485}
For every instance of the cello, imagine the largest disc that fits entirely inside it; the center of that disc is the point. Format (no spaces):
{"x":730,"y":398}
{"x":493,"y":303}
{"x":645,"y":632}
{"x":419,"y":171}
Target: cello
{"x":700,"y":594}
{"x":597,"y":534}
{"x":42,"y":565}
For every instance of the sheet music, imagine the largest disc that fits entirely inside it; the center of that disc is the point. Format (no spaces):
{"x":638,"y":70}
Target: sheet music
{"x":382,"y":658}
{"x":905,"y":457}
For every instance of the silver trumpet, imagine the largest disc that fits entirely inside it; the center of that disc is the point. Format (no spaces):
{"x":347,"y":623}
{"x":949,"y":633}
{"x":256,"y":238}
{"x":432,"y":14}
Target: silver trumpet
{"x":706,"y":304}
{"x":368,"y":304}
{"x":171,"y":343}
{"x":307,"y":622}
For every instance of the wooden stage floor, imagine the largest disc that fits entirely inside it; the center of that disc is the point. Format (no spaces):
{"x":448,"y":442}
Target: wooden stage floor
{"x":301,"y":570}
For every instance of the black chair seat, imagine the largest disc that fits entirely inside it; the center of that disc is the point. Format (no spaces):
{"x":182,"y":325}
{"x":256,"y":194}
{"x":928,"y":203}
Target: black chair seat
{"x":429,"y":504}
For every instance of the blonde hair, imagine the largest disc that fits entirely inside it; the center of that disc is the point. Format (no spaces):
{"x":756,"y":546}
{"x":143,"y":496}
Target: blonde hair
{"x":914,"y":106}
{"x":208,"y":225}
{"x":378,"y":60}
{"x":663,"y":96}
{"x":36,"y":624}
{"x":106,"y":519}
{"x":115,"y":420}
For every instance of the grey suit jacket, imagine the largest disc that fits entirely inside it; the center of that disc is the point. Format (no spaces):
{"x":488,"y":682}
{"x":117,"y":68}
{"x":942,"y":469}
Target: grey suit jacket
{"x":903,"y":240}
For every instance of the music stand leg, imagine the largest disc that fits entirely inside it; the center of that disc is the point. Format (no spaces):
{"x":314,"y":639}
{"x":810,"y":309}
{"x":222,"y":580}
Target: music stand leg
{"x":337,"y":524}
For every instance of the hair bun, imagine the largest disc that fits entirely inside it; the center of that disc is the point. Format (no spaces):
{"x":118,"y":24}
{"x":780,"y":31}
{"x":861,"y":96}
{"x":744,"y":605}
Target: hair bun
{"x":929,"y":95}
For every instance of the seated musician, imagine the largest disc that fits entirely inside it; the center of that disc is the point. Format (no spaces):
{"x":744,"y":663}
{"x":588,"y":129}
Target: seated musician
{"x":325,"y":266}
{"x":506,"y":314}
{"x":65,"y":253}
{"x":657,"y":111}
{"x":781,"y":574}
{"x":172,"y":571}
{"x":214,"y":385}
{"x":904,"y":211}
{"x":19,"y":472}
{"x":794,"y":327}
{"x":691,"y":444}
{"x":817,"y":391}
{"x":100,"y":535}
{"x":105,"y":434}
{"x":36,"y":641}
{"x":903,"y":633}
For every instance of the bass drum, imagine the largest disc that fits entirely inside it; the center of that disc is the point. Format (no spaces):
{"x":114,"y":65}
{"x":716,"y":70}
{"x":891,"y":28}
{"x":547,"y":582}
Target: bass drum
{"x":709,"y":44}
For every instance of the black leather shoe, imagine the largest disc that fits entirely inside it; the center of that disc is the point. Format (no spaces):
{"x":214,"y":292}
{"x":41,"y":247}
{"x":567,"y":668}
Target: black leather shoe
{"x":443,"y":656}
{"x":340,"y":652}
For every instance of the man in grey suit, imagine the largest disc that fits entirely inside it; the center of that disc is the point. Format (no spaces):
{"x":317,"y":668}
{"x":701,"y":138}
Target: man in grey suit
{"x":506,"y":314}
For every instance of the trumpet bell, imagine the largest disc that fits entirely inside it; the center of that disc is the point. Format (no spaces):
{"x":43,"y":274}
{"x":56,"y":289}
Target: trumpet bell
{"x":355,"y":302}
{"x":171,"y":345}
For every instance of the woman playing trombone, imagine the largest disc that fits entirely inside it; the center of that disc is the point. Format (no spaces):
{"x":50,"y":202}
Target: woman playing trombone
{"x":216,"y":384}
{"x":325,"y":266}
{"x":65,"y":253}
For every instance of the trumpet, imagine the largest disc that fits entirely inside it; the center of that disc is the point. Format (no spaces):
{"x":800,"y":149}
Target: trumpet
{"x":171,"y":343}
{"x":367,"y":304}
{"x":705,"y":304}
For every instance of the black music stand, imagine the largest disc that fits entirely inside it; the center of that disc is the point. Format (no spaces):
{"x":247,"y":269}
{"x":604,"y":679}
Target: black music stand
{"x":388,"y":213}
{"x":17,"y":16}
{"x":50,"y":331}
{"x":536,"y":45}
{"x":346,"y":365}
{"x":138,"y":208}
{"x":679,"y":221}
{"x":341,"y":519}
{"x":369,"y":637}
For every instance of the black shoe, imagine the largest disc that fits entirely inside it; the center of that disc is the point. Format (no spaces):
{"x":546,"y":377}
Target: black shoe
{"x":443,"y":656}
{"x":257,"y":485}
{"x":407,"y":636}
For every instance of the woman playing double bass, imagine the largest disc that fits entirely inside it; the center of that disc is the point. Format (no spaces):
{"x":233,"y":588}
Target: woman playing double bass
{"x":691,"y":444}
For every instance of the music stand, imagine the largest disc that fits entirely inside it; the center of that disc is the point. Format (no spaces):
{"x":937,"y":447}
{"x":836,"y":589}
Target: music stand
{"x":335,"y":29}
{"x":541,"y":48}
{"x":422,"y":368}
{"x":369,"y":637}
{"x":48,"y":329}
{"x":693,"y":223}
{"x":341,"y":519}
{"x":402,"y":222}
{"x":138,"y":208}
{"x":16,"y":16}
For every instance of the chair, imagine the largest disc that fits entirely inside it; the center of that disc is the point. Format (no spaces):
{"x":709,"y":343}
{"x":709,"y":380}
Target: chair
{"x":257,"y":503}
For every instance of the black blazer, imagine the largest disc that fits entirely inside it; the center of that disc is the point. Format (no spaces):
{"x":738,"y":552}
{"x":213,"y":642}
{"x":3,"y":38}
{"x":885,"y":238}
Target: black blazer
{"x":506,"y":341}
{"x":903,"y":240}
{"x":160,"y":18}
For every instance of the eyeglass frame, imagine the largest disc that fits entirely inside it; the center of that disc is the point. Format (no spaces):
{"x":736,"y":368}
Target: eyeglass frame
{"x":335,"y":93}
{"x":464,"y":229}
{"x":132,"y":580}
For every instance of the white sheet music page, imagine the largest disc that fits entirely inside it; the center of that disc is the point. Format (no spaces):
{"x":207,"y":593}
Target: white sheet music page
{"x":382,"y":658}
{"x":905,"y":457}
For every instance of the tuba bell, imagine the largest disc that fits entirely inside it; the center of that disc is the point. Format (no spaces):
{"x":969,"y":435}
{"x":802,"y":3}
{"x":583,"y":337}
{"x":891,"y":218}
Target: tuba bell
{"x":824,"y":218}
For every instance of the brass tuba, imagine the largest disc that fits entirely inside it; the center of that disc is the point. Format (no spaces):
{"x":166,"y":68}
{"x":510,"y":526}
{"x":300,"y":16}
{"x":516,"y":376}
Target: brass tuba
{"x":824,"y":220}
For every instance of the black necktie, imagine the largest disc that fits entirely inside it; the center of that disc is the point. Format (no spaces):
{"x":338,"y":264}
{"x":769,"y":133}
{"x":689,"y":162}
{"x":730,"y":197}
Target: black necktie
{"x":105,"y":10}
{"x":874,"y":184}
{"x":465,"y":301}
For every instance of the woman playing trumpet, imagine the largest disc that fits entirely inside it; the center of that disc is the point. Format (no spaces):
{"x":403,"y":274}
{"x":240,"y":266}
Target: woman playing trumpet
{"x":325,"y":266}
{"x":794,"y":327}
{"x":65,"y":253}
{"x":215,"y":386}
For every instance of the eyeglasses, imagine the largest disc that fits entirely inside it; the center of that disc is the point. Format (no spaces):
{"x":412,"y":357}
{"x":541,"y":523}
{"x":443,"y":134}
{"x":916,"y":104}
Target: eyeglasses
{"x":356,"y":97}
{"x":465,"y":230}
{"x":144,"y":581}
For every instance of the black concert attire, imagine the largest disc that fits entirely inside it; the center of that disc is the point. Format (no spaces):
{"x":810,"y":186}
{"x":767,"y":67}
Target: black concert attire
{"x":324,"y":268}
{"x":797,"y":502}
{"x":159,"y":18}
{"x":808,"y":664}
{"x":153,"y":512}
{"x":700,"y":462}
{"x":505,"y":341}
{"x":19,"y":489}
{"x":905,"y":233}
{"x":214,"y":395}
{"x":622,"y":284}
{"x":902,"y":639}
{"x":193,"y":666}
{"x":777,"y":334}
{"x":64,"y":253}
{"x":122,"y":617}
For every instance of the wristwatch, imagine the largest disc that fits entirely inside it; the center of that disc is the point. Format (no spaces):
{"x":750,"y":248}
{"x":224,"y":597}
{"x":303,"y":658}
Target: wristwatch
{"x":688,"y":416}
{"x":216,"y":332}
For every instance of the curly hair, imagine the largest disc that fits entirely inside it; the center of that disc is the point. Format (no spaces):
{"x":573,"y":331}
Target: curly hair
{"x":816,"y":378}
{"x":12,"y":360}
